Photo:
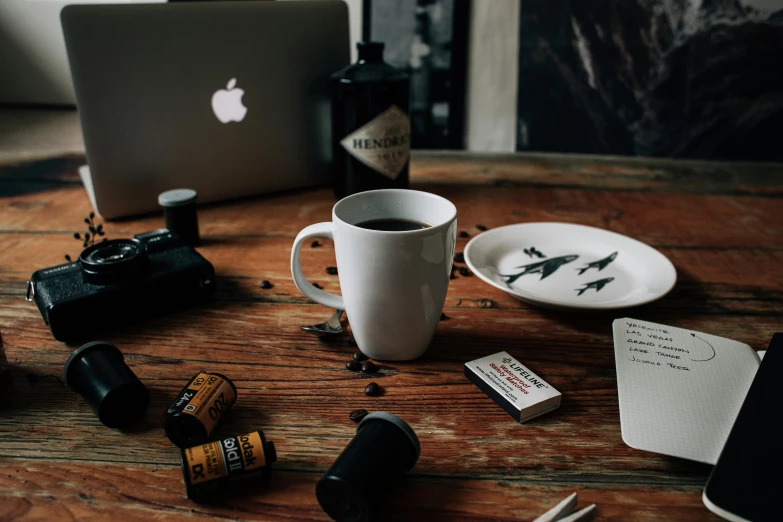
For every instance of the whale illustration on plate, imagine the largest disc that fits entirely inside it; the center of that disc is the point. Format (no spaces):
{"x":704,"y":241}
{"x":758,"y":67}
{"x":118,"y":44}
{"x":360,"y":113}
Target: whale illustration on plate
{"x":600,"y":264}
{"x":598,"y":285}
{"x":545,"y":268}
{"x":634,"y":272}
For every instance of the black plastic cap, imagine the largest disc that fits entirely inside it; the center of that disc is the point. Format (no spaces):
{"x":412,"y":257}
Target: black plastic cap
{"x":177,"y":197}
{"x":400,"y":424}
{"x":179,"y":210}
{"x":371,"y":51}
{"x":383,"y":449}
{"x":97,"y":371}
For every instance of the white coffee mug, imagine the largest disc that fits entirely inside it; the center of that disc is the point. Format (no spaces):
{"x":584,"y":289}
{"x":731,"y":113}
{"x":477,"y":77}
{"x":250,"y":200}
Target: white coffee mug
{"x":393,"y":283}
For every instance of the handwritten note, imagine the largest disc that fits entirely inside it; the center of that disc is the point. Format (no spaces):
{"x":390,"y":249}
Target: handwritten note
{"x":679,"y":390}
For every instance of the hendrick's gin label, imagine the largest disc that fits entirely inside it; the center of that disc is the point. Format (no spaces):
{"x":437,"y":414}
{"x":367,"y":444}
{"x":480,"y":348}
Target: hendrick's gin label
{"x":370,"y":124}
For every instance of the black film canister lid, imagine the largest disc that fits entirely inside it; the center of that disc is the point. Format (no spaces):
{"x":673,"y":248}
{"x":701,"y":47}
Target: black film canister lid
{"x":97,"y":371}
{"x":383,"y":448}
{"x":179,"y":210}
{"x":401,"y":424}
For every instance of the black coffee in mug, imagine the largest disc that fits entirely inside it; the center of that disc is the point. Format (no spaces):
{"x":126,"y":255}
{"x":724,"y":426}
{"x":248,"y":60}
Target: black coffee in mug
{"x":393,"y":225}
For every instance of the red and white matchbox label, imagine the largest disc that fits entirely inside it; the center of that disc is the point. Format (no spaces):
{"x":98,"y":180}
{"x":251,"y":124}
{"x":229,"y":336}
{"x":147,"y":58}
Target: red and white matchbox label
{"x":519,"y":391}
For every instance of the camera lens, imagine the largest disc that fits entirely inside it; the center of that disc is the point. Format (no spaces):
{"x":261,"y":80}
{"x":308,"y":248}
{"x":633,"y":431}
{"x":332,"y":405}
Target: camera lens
{"x":112,"y":253}
{"x":114,"y":261}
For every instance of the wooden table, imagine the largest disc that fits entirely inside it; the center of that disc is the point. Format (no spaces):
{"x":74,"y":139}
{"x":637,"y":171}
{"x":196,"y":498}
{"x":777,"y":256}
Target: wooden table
{"x":720,"y":224}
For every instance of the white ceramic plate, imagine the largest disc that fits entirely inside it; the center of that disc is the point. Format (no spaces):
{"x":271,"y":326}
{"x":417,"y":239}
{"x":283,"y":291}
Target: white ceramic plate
{"x":559,"y":265}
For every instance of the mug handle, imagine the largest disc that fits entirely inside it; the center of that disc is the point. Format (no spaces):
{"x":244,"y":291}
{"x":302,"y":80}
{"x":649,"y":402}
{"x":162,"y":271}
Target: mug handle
{"x":301,"y":282}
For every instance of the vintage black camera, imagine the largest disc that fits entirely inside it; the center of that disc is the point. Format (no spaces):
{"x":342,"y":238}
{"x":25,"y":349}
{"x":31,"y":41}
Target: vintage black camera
{"x":120,"y":281}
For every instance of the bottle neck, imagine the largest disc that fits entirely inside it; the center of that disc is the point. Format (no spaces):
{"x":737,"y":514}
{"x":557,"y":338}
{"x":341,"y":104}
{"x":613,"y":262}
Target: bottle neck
{"x":370,"y":52}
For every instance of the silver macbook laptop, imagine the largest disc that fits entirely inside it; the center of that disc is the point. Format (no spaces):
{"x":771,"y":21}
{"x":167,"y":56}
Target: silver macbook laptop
{"x":228,"y":98}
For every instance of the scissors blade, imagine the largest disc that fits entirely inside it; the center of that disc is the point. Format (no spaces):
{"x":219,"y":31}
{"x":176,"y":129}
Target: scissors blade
{"x":559,"y":511}
{"x":583,"y":515}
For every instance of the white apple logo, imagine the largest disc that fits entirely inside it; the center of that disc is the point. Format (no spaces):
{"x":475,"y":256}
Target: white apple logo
{"x":227,"y":103}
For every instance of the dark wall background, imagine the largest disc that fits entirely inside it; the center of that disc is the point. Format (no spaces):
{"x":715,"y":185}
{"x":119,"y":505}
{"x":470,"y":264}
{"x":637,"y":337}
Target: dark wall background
{"x":679,"y":78}
{"x":429,"y":40}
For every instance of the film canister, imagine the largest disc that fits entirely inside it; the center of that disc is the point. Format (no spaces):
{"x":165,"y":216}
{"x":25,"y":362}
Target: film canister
{"x":97,"y":371}
{"x":383,"y":449}
{"x":179,"y":211}
{"x":216,"y":467}
{"x":197,"y":409}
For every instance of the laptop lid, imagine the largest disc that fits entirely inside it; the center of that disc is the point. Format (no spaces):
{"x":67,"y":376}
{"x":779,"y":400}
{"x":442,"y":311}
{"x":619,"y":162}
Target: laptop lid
{"x":228,"y":98}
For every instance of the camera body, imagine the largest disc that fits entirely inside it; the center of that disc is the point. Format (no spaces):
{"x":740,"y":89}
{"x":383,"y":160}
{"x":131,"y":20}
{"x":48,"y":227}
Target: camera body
{"x":119,"y":282}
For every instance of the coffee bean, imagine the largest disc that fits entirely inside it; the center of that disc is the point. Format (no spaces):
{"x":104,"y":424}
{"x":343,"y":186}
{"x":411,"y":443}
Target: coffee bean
{"x":354,"y":366}
{"x":318,"y":286}
{"x":359,"y":356}
{"x":459,"y":257}
{"x":444,"y":317}
{"x":266,"y":285}
{"x":464,"y":272}
{"x":357,"y":415}
{"x":464,"y":234}
{"x":481,"y":227}
{"x":487,"y":303}
{"x":331,"y":270}
{"x":372,"y":390}
{"x":369,"y":367}
{"x":315,"y":244}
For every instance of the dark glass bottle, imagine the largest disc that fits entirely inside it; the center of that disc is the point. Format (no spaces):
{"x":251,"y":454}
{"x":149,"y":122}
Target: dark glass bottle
{"x":370,"y":124}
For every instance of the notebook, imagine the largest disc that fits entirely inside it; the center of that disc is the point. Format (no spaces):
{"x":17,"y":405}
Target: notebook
{"x":679,"y":390}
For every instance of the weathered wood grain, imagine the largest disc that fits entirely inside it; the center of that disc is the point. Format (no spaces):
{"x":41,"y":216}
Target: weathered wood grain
{"x":660,"y":219}
{"x":93,"y":491}
{"x":719,"y":223}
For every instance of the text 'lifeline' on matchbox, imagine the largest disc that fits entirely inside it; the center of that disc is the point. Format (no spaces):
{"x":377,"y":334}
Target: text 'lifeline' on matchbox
{"x":515,"y":388}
